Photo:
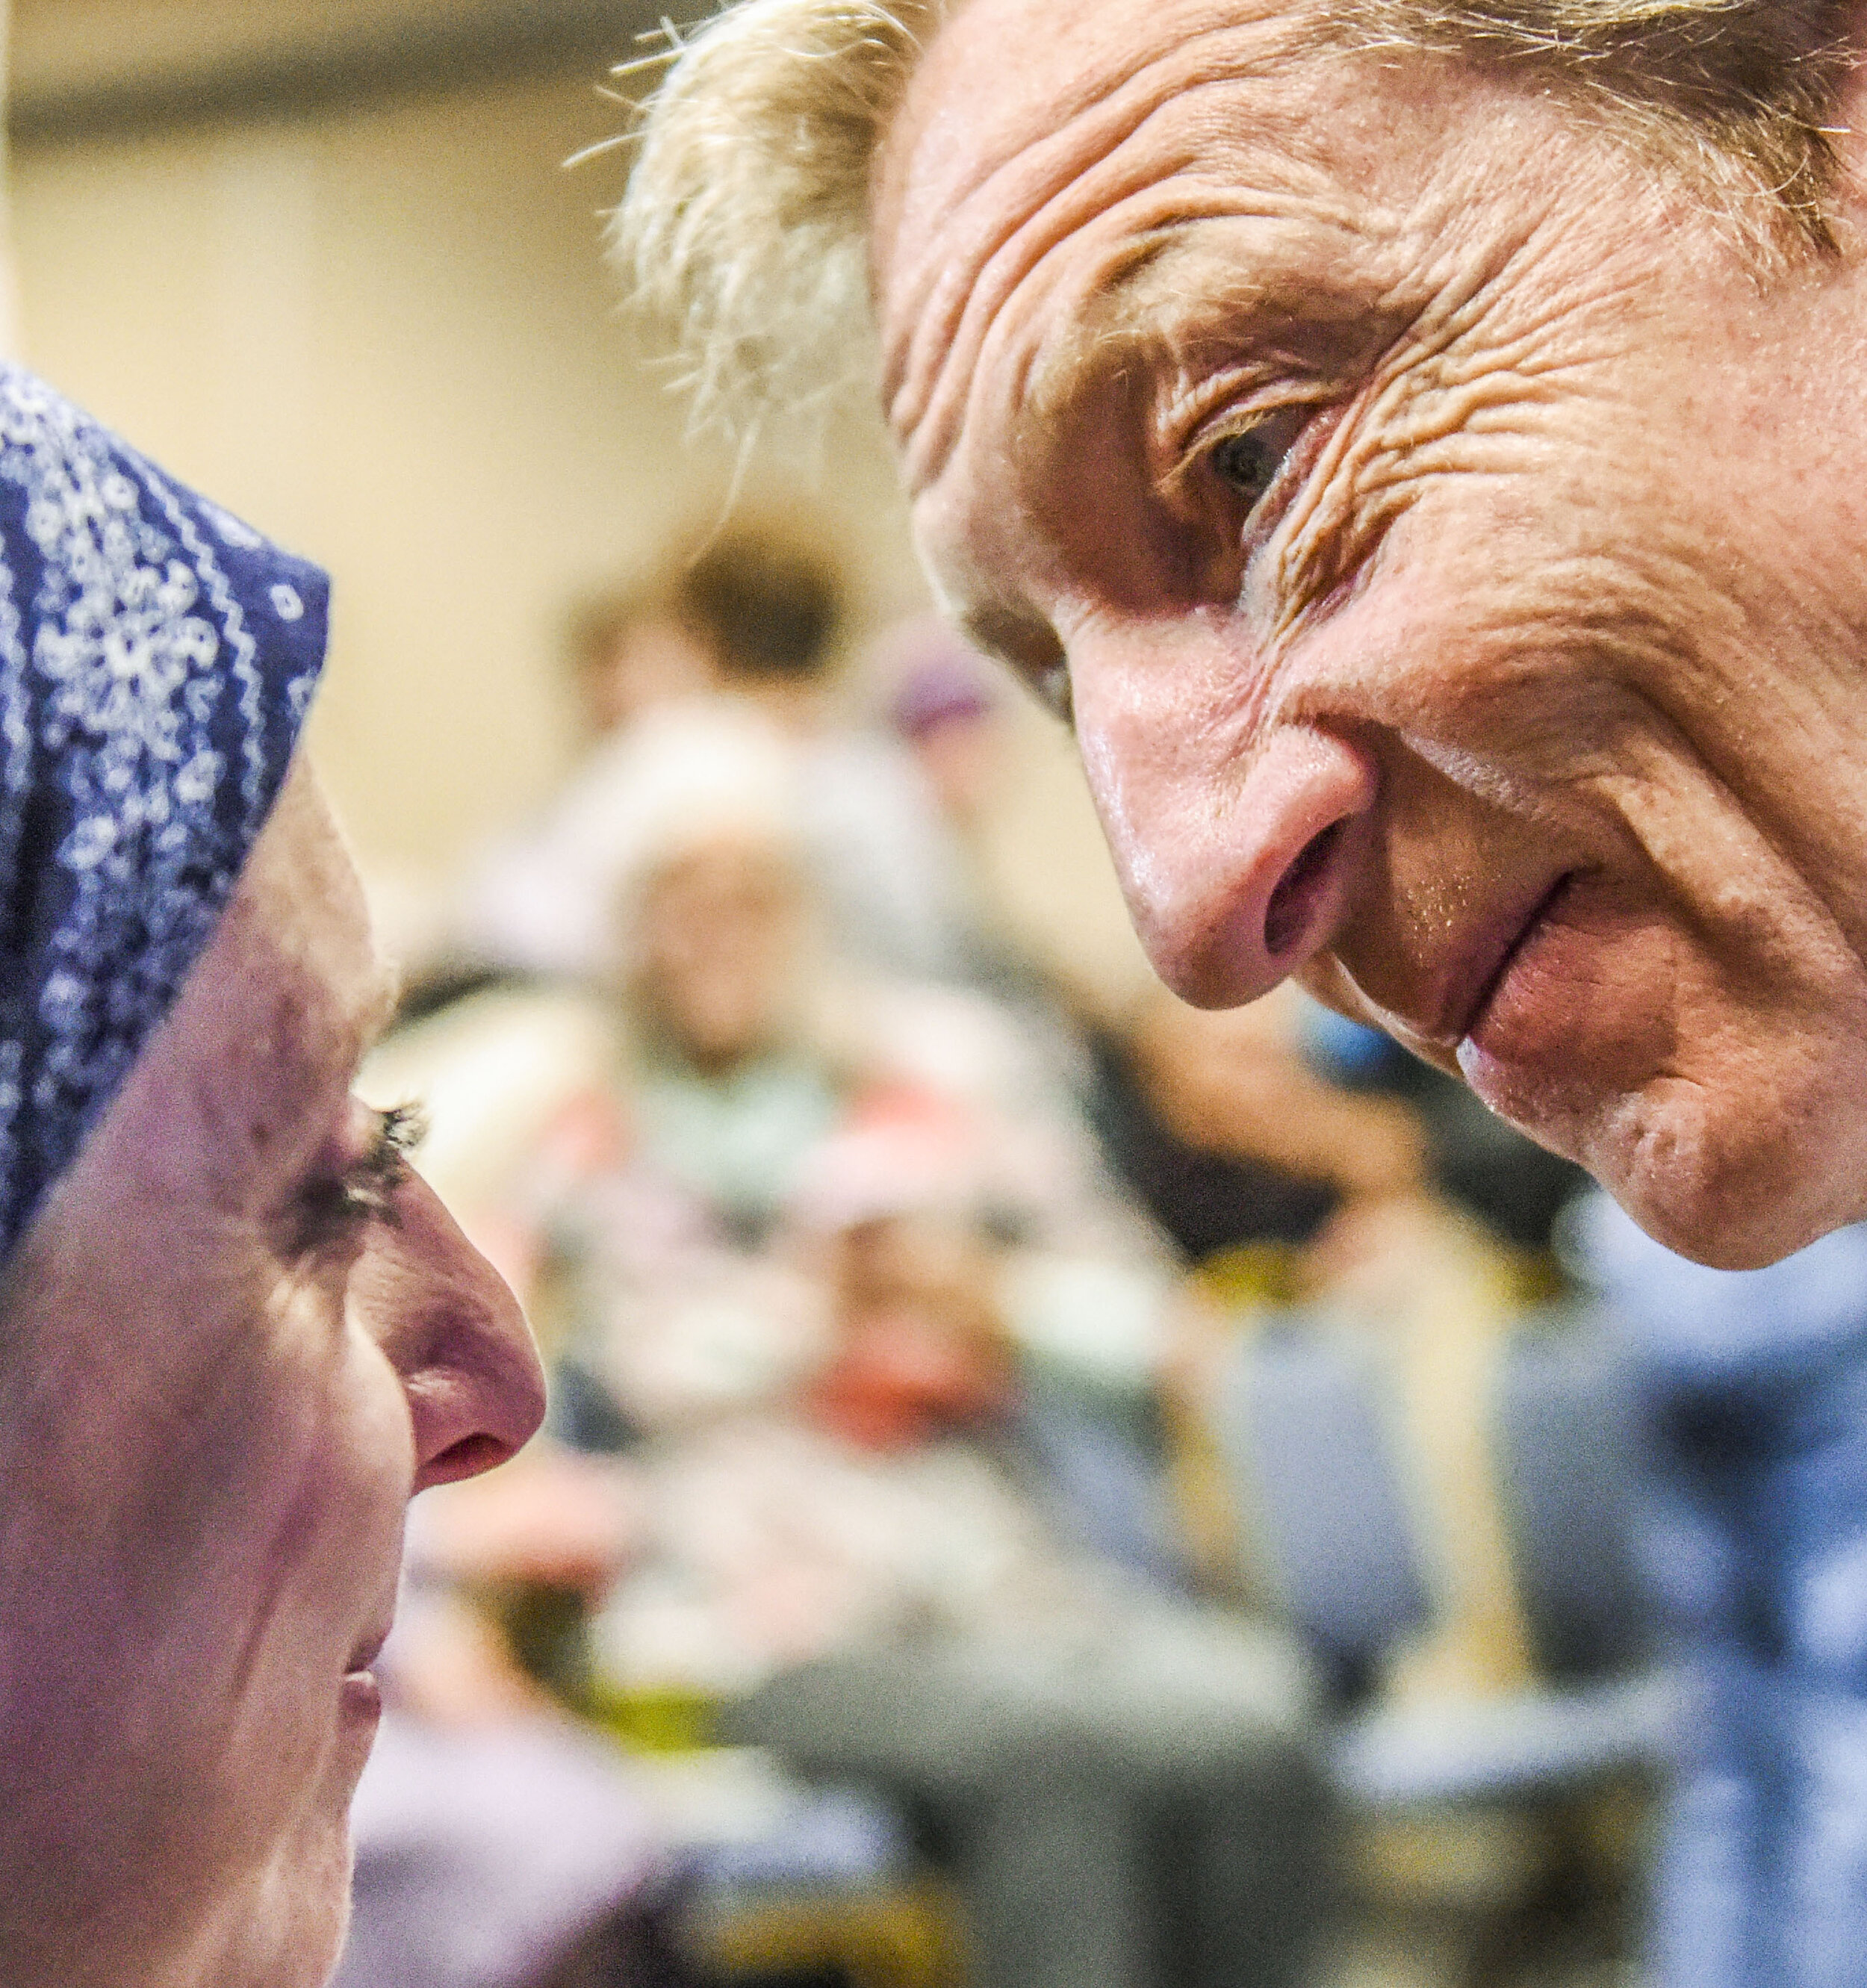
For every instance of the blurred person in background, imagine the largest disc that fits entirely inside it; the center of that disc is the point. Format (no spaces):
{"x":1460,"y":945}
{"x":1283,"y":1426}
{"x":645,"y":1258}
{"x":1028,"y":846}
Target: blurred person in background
{"x":750,"y":620}
{"x":831,"y":1268}
{"x":239,"y":1332}
{"x":1753,"y":1392}
{"x":743,"y":1040}
{"x":632,"y":650}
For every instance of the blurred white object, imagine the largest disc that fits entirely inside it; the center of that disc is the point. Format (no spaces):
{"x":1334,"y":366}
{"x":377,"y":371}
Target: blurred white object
{"x":484,"y":1852}
{"x":550,"y":902}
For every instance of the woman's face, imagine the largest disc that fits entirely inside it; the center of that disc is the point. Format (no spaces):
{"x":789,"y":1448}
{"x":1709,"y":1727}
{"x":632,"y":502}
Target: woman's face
{"x":240,"y":1336}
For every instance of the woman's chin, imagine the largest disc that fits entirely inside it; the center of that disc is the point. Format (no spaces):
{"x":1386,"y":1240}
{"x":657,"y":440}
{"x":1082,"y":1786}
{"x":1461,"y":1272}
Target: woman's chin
{"x":294,"y":1934}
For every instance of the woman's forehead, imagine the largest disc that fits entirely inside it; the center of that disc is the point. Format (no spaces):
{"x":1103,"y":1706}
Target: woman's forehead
{"x":305,"y":951}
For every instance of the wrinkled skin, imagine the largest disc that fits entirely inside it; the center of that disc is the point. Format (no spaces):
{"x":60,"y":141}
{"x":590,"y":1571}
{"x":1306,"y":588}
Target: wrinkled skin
{"x":1521,"y":711}
{"x":222,"y":1376}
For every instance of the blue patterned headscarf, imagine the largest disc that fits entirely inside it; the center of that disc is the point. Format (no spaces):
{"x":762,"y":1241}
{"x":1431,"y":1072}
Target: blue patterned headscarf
{"x":156,"y":660}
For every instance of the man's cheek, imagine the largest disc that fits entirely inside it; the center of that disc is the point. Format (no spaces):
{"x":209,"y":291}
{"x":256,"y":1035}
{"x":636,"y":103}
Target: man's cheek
{"x":1459,"y":440}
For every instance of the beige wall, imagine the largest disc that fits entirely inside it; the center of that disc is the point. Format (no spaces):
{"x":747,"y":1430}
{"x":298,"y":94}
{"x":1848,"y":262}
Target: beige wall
{"x":386,"y":340}
{"x":9,"y":312}
{"x":75,"y":45}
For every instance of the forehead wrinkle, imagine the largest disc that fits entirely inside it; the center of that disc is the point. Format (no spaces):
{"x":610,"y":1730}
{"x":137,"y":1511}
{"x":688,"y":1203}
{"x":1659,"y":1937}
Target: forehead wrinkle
{"x":1108,"y":301}
{"x":1171,"y":295}
{"x":1030,"y":192}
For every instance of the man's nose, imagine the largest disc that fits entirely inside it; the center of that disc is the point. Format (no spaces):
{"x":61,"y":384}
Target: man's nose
{"x":457,"y":1338}
{"x":1236,"y":881}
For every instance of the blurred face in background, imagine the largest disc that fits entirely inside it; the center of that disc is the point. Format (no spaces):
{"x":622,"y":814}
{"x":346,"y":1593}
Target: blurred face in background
{"x":922,"y":1349}
{"x":718,"y":940}
{"x":643,"y":663}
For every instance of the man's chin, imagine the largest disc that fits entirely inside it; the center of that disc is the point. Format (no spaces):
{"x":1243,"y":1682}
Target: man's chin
{"x":1728,"y":1188}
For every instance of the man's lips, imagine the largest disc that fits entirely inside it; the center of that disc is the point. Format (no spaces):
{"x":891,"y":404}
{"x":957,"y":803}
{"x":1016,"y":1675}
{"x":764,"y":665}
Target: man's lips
{"x":1487,"y":966}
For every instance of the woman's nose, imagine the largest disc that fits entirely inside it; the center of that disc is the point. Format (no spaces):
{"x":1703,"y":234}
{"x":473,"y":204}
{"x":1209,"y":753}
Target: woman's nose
{"x":455,"y":1335}
{"x":1235,"y":882}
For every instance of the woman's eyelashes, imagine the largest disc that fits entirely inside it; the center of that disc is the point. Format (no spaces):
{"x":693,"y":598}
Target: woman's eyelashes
{"x":337,"y":1205}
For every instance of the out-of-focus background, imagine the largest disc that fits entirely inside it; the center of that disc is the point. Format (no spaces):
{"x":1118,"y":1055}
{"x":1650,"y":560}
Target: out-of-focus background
{"x":325,"y":259}
{"x":1044,"y":1489}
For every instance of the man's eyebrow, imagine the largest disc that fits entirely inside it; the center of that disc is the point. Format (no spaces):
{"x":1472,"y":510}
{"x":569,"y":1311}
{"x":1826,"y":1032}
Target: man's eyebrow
{"x":1167,"y":289}
{"x":1117,"y":318}
{"x":1187,"y":287}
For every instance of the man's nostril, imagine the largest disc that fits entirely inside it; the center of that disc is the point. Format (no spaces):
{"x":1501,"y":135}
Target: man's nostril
{"x":1287,"y":916}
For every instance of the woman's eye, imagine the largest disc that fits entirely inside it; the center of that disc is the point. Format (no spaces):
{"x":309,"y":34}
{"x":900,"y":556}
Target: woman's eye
{"x":1248,"y":462}
{"x":336,"y":1206}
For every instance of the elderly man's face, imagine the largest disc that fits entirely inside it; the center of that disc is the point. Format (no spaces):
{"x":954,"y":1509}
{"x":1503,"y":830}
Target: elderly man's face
{"x":260,"y":1334}
{"x":1433,"y":519}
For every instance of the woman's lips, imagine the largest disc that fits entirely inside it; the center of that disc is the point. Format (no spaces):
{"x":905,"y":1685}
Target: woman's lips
{"x":361,"y":1697}
{"x":360,"y":1694}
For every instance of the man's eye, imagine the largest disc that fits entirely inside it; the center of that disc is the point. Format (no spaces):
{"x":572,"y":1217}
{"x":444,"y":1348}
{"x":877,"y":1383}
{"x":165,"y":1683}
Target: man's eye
{"x":1248,"y":462}
{"x":1054,"y":691}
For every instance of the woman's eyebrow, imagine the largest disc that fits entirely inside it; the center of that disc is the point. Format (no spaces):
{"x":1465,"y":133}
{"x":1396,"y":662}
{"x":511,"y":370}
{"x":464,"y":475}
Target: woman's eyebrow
{"x":386,"y":999}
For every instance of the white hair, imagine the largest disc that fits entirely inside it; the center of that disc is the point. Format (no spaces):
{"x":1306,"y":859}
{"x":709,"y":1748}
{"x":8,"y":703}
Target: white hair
{"x":743,"y":230}
{"x":744,"y":224}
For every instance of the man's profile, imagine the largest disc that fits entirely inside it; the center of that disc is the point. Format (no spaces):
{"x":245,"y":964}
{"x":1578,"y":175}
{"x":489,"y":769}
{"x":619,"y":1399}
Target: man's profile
{"x":1418,"y":442}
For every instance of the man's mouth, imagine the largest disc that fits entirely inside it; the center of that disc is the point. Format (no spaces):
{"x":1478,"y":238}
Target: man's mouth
{"x":1480,"y":1001}
{"x":1468,"y":990}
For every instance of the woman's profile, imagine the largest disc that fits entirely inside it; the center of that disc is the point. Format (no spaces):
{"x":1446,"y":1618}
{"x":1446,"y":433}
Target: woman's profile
{"x":237,"y":1332}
